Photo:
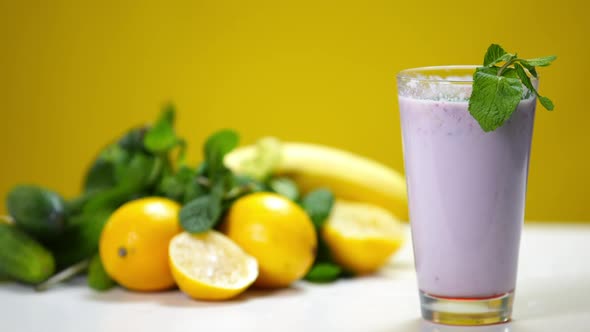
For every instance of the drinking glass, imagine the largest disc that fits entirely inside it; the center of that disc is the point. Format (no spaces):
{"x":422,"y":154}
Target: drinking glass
{"x":466,"y":192}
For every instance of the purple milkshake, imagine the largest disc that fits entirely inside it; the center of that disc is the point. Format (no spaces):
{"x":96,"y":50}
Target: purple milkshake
{"x":466,"y":193}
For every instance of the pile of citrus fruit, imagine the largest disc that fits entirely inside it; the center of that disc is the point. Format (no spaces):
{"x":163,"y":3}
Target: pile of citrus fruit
{"x":265,"y":240}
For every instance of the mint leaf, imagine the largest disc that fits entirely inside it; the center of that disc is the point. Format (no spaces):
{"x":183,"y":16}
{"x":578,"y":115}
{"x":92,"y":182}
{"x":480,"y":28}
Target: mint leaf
{"x":200,"y":214}
{"x":216,"y":147}
{"x":530,"y":68}
{"x":161,"y":137}
{"x":318,"y":205}
{"x":132,"y":141}
{"x":219,"y":188}
{"x":493,"y":99}
{"x":510,"y":72}
{"x":220,"y":143}
{"x":541,"y":62}
{"x":171,"y":187}
{"x":285,"y":187}
{"x":546,"y":102}
{"x":526,"y":80}
{"x":181,"y":156}
{"x":193,"y":190}
{"x":142,"y":170}
{"x":324,"y":272}
{"x":494,"y":55}
{"x":100,"y":176}
{"x":98,"y":279}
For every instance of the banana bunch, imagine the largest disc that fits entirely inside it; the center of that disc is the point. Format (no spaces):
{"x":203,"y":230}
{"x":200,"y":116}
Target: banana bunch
{"x":349,"y":176}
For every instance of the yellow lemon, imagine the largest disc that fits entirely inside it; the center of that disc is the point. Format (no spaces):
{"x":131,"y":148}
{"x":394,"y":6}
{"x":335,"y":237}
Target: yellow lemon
{"x":277,"y":232}
{"x":361,"y":236}
{"x":134,"y":243}
{"x":210,"y":266}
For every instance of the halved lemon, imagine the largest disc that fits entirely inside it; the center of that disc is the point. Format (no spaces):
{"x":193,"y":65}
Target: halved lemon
{"x":362,"y":237}
{"x":210,"y":266}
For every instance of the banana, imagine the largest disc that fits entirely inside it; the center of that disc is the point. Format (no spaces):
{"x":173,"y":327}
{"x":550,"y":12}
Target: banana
{"x":349,"y":176}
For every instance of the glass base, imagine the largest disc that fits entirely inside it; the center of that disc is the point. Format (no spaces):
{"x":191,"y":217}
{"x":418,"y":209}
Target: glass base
{"x":467,"y":311}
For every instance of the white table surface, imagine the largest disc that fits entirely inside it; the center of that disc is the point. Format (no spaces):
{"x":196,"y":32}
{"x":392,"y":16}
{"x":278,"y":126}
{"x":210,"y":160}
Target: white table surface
{"x":553,"y":294}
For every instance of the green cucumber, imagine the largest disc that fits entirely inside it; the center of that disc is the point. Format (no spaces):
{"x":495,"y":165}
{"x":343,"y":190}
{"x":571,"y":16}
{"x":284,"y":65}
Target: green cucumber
{"x":22,"y":258}
{"x":38,"y":211}
{"x":98,"y":279}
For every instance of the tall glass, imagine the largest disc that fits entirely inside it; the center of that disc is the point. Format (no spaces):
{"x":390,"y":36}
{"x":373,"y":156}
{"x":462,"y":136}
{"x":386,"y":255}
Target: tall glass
{"x":466,"y":193}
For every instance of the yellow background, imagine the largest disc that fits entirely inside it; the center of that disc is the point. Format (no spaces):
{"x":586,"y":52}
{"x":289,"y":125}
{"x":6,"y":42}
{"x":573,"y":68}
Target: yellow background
{"x":75,"y":74}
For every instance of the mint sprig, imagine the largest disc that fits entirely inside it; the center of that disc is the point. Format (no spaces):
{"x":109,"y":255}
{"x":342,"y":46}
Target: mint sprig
{"x":497,"y":90}
{"x":207,"y":196}
{"x":161,"y":138}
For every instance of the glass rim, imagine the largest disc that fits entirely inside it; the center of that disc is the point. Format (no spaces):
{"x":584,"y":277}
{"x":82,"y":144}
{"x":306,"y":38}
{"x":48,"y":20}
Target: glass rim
{"x":411,"y":74}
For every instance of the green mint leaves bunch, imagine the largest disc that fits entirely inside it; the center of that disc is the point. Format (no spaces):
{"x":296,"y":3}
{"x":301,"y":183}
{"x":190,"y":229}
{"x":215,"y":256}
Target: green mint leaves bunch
{"x":211,"y":189}
{"x":498,"y":86}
